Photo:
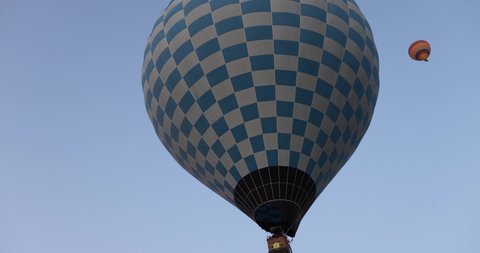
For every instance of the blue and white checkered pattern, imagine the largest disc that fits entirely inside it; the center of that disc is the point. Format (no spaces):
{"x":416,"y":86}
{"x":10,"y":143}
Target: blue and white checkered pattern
{"x":232,"y":86}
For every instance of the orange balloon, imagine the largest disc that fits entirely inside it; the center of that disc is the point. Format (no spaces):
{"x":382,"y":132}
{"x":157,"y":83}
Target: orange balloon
{"x":419,"y":50}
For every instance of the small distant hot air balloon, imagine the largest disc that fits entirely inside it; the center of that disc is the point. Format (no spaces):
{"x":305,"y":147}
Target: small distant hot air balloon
{"x":419,"y":50}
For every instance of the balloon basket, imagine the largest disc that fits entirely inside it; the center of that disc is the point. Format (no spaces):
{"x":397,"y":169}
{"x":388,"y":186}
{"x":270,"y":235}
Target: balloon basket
{"x":278,"y":243}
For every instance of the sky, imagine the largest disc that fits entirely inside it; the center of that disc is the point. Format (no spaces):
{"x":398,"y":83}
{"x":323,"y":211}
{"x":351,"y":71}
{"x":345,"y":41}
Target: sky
{"x":81,"y":169}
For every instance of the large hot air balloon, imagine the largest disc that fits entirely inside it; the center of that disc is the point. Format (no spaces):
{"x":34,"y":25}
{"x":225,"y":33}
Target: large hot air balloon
{"x":262,"y":101}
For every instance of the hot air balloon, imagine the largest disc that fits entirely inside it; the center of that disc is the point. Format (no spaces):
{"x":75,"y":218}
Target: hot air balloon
{"x":419,"y":50}
{"x":262,"y":101}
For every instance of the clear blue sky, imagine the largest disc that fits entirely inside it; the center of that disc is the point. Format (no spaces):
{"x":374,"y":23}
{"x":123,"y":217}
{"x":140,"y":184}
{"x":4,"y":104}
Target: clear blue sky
{"x":81,"y":169}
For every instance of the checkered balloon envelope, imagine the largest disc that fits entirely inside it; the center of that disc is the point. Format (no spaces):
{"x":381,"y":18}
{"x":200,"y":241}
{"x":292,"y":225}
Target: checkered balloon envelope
{"x":262,"y":101}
